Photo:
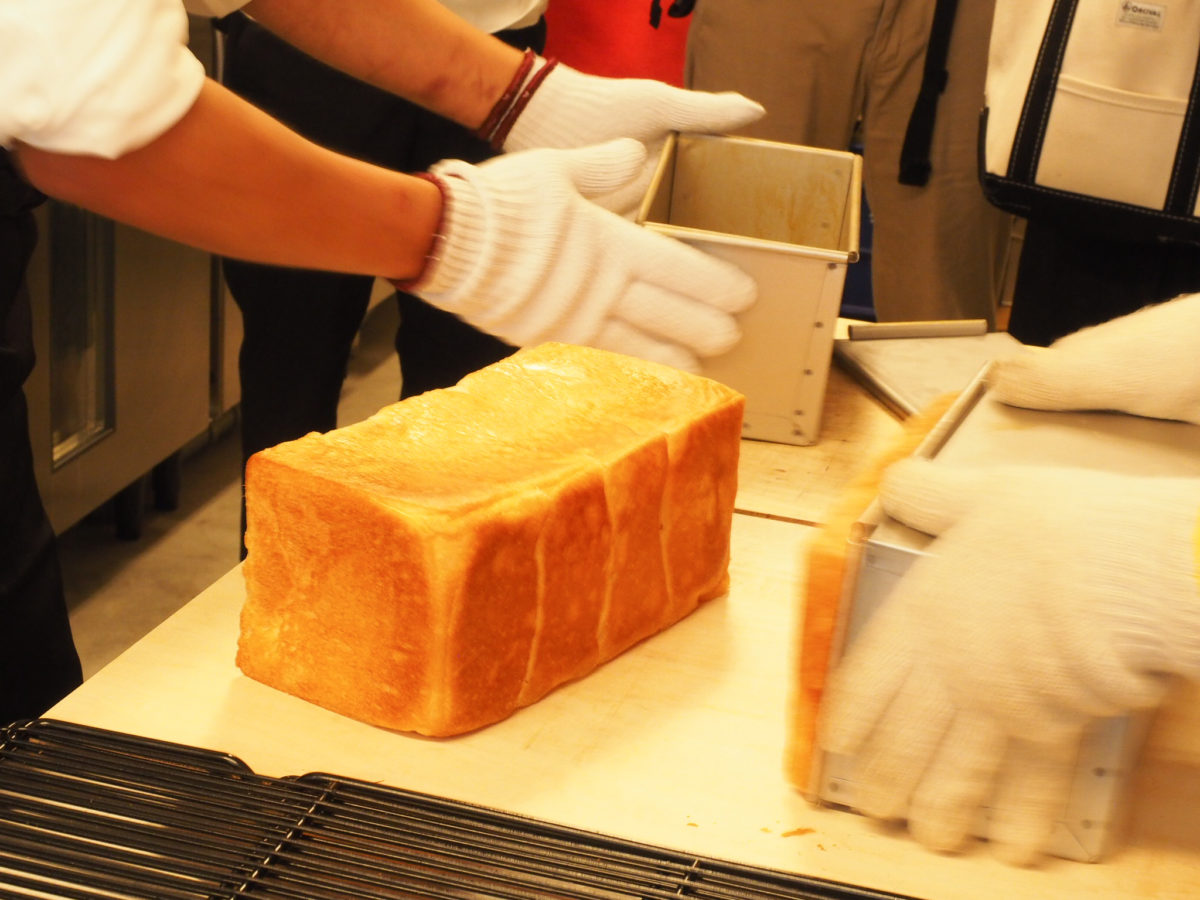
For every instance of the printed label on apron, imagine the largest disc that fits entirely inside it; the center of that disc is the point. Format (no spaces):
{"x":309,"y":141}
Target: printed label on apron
{"x":1141,"y":15}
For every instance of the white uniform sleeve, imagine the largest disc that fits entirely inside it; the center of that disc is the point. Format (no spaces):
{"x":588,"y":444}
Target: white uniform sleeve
{"x":213,"y":7}
{"x":498,"y":15}
{"x":102,"y":78}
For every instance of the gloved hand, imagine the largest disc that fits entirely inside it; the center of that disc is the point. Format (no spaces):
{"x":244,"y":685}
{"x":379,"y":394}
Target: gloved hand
{"x":1051,"y":597}
{"x":561,"y":107}
{"x":1142,"y":363}
{"x":525,"y":255}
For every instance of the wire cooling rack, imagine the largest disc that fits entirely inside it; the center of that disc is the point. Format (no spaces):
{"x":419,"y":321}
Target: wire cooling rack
{"x":86,"y":813}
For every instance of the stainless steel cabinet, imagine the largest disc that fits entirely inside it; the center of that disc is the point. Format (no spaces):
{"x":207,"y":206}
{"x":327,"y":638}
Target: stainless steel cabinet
{"x":122,"y":328}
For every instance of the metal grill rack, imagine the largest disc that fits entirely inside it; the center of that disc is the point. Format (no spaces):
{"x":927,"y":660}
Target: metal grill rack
{"x":86,"y":813}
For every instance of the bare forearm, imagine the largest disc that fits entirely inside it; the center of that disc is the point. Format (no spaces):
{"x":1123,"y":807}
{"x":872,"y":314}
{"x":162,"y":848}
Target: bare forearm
{"x":414,"y":48}
{"x":231,"y":180}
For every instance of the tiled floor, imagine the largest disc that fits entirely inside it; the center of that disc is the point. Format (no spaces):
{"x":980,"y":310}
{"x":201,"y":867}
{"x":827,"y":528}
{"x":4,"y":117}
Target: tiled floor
{"x":119,"y":590}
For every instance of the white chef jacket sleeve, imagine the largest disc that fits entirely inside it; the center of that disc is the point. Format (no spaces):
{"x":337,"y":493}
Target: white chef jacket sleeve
{"x":213,"y":7}
{"x":498,"y":15}
{"x":101,"y":78}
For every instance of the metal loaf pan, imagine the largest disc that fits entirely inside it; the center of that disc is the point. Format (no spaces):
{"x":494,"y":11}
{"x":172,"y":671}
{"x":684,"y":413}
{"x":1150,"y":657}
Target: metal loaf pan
{"x":789,"y":216}
{"x":978,"y":430}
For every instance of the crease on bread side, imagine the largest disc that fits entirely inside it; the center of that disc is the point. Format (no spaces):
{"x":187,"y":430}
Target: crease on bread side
{"x":825,"y":590}
{"x":462,"y":553}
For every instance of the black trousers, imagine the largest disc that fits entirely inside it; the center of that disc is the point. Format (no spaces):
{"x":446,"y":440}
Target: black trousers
{"x":1069,"y":279}
{"x":300,"y":325}
{"x":38,"y":662}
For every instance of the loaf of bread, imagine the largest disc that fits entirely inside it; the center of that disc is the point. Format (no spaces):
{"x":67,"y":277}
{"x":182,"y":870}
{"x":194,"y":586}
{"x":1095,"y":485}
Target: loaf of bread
{"x":461,"y":553}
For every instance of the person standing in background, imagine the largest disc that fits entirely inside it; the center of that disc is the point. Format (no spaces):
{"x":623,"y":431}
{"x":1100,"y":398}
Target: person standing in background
{"x":299,"y":325}
{"x":823,"y":70}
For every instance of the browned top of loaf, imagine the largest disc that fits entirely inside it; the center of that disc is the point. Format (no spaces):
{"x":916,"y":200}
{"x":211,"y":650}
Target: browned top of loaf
{"x":514,"y":426}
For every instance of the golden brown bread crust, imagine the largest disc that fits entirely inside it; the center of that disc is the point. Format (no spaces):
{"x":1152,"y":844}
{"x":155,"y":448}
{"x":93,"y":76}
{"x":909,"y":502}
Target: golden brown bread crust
{"x":824,"y":586}
{"x":461,"y":554}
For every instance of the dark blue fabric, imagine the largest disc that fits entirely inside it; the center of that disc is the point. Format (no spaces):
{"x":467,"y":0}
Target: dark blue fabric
{"x":38,"y":662}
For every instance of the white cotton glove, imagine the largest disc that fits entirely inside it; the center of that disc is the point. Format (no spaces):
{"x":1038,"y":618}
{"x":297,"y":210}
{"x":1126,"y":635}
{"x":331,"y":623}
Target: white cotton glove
{"x":570,"y":109}
{"x":1052,"y":597}
{"x":1142,"y":363}
{"x":523,"y":254}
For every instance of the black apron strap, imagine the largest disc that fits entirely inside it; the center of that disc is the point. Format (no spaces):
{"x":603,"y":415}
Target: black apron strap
{"x":915,"y":166}
{"x":1039,"y":98}
{"x":1185,"y":176}
{"x":679,"y":9}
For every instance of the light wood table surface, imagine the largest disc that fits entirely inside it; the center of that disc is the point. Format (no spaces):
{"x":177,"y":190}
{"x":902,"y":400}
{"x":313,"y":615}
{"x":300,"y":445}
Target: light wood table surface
{"x":800,"y":483}
{"x":676,"y":743}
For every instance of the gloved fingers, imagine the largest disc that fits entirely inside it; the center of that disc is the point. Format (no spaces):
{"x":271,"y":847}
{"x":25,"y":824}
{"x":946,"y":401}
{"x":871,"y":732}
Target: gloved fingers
{"x":711,"y":113}
{"x":1041,"y":378}
{"x":570,"y":109}
{"x":599,"y":169}
{"x":865,"y":682}
{"x":626,"y":200}
{"x":1124,"y":690}
{"x":1139,"y":363}
{"x":619,"y":337}
{"x":1031,"y":796}
{"x":898,"y":753}
{"x":1037,"y":671}
{"x":666,"y":315}
{"x":946,"y":807}
{"x":672,"y":265}
{"x":930,"y":496}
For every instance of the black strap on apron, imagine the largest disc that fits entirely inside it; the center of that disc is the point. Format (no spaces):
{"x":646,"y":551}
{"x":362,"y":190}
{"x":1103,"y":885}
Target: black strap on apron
{"x":679,"y":9}
{"x":1027,"y":148}
{"x":915,"y":166}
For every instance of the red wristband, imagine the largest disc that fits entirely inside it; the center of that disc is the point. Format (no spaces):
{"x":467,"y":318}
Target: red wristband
{"x":501,"y":106}
{"x":512,"y":102}
{"x":506,"y":122}
{"x":408,"y":285}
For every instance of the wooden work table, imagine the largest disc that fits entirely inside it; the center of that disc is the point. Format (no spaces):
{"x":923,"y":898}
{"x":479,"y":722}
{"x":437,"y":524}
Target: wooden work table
{"x":677,"y":742}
